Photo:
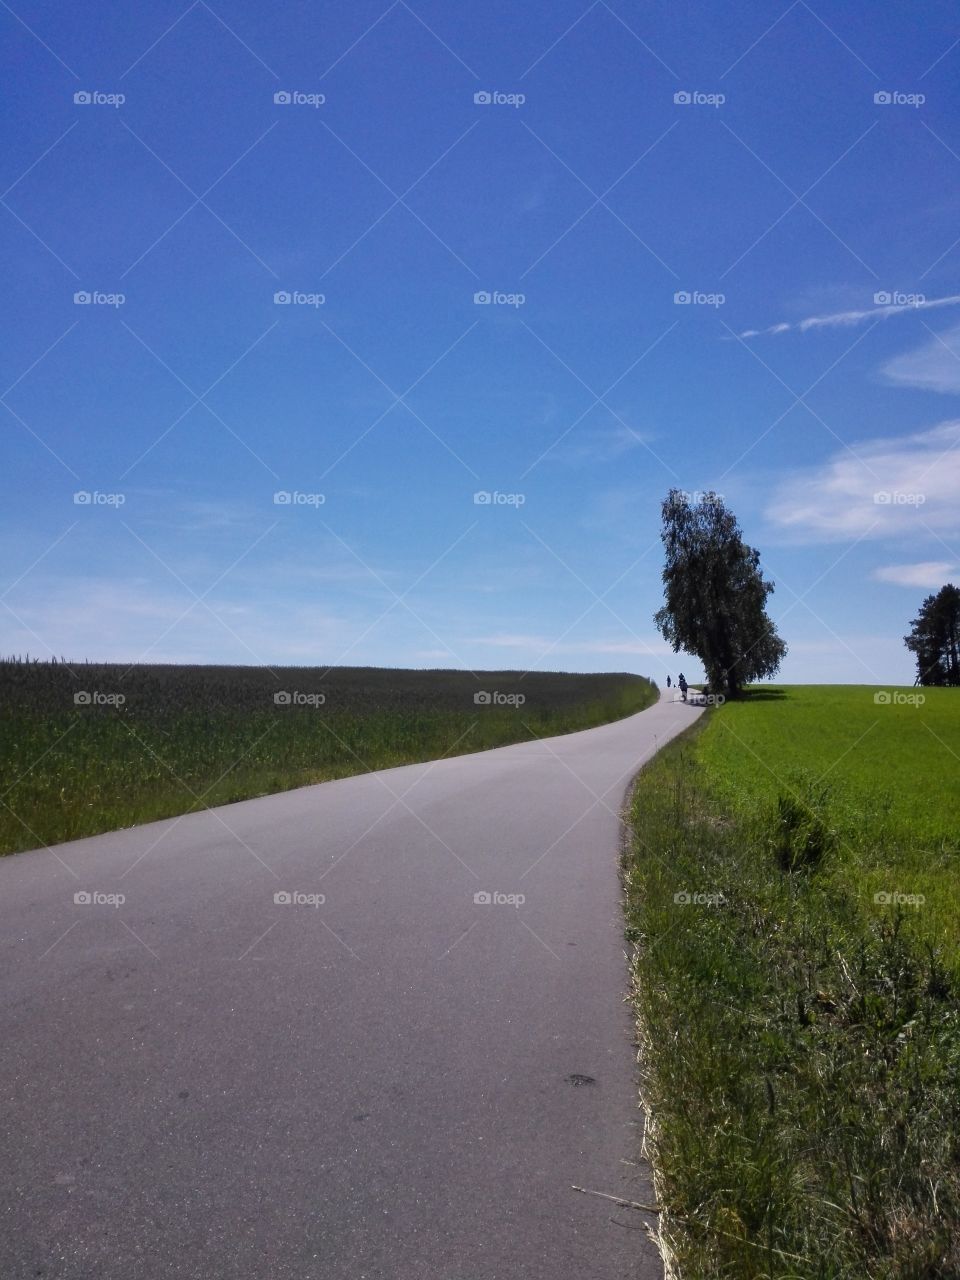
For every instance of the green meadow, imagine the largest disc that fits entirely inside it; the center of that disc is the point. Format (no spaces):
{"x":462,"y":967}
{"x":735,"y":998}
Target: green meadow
{"x":794,"y":915}
{"x":885,"y":775}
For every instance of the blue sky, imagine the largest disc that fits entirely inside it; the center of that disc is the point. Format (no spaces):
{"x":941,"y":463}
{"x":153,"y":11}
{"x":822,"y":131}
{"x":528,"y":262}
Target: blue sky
{"x":621,"y":157}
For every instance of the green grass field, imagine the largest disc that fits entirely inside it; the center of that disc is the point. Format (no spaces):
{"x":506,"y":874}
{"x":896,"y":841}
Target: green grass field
{"x":92,"y":748}
{"x":794,"y":907}
{"x":886,"y":775}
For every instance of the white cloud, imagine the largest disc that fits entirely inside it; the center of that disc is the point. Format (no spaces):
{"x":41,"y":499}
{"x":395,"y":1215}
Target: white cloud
{"x":876,"y":488}
{"x":926,"y":573}
{"x":933,"y":367}
{"x":847,"y":319}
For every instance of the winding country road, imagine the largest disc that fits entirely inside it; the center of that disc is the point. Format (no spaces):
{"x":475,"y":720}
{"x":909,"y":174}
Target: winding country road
{"x":398,"y":1083}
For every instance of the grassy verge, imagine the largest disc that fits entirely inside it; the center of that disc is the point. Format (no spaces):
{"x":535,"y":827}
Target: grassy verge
{"x":801,"y":1025}
{"x":150,"y":742}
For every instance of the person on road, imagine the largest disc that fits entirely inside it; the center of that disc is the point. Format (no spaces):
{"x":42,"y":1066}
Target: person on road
{"x":682,"y":682}
{"x":668,"y":682}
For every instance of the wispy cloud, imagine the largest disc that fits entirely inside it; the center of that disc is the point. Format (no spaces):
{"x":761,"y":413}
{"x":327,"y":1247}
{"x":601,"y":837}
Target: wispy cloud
{"x":847,"y":319}
{"x":603,"y":445}
{"x":902,"y":486}
{"x":655,"y":646}
{"x":927,"y":573}
{"x":150,"y":623}
{"x":933,"y":367}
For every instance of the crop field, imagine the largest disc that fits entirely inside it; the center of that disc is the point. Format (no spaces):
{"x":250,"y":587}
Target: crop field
{"x":794,"y":908}
{"x":88,"y":748}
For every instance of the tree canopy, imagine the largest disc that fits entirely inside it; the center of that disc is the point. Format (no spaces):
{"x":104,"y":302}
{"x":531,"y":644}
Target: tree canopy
{"x":935,"y":638}
{"x":715,"y":594}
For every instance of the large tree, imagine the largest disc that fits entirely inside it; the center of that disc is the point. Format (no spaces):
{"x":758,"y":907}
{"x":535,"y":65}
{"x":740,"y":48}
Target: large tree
{"x":935,"y":638}
{"x":715,"y":594}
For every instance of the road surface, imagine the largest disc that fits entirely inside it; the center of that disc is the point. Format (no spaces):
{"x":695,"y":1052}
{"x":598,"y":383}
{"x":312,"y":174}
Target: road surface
{"x":401,"y":1082}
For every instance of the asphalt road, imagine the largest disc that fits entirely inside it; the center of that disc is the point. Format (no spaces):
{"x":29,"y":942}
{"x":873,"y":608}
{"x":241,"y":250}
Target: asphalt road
{"x":398,"y":1083}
